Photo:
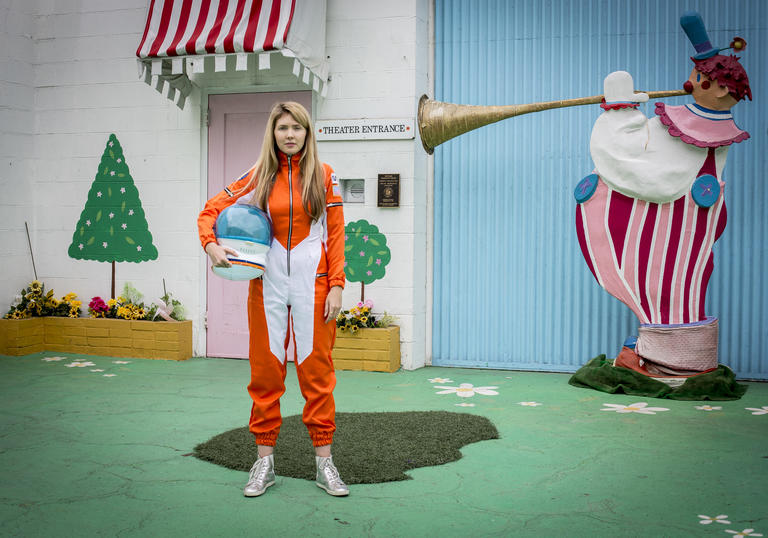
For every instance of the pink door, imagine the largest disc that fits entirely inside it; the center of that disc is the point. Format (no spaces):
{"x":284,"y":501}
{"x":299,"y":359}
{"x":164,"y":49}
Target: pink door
{"x":235,"y":132}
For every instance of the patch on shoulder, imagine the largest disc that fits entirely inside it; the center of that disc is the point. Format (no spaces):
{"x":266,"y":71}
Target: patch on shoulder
{"x":334,"y":179}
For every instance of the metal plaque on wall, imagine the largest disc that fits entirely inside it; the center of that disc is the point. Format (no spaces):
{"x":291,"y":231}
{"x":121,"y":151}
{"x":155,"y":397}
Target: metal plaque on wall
{"x":389,"y":190}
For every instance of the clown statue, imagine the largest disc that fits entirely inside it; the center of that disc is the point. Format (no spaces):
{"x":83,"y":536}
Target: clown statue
{"x":648,"y":216}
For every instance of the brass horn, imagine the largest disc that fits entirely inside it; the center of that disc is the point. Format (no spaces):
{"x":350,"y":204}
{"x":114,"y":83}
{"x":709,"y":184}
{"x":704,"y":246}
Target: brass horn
{"x":439,"y":122}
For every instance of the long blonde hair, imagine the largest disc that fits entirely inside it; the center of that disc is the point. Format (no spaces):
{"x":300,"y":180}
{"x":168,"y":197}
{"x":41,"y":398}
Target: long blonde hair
{"x":312,"y":176}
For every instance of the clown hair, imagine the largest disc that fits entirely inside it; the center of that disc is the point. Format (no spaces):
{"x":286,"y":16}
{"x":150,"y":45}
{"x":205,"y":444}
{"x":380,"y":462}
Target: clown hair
{"x":728,"y":72}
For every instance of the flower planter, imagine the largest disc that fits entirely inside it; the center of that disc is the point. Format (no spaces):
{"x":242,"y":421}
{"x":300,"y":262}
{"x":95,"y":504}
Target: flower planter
{"x":376,"y":350}
{"x":97,"y":336}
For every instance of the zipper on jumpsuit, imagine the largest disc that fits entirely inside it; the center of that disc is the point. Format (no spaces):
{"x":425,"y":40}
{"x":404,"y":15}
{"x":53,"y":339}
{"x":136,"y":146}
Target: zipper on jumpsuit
{"x":290,"y":214}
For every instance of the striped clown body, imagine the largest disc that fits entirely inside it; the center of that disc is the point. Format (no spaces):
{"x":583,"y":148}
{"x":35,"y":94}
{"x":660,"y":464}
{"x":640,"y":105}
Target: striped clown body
{"x":654,"y":257}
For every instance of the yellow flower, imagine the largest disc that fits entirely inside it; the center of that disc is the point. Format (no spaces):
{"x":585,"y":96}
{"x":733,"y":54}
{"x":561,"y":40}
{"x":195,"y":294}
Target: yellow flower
{"x":353,"y":329}
{"x":76,"y":304}
{"x":364,"y":320}
{"x":122,"y":299}
{"x":68,"y":297}
{"x":111,"y":303}
{"x":36,"y":285}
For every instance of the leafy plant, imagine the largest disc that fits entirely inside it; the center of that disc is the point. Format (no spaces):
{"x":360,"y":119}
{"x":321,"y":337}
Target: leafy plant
{"x":361,"y":317}
{"x":34,"y":302}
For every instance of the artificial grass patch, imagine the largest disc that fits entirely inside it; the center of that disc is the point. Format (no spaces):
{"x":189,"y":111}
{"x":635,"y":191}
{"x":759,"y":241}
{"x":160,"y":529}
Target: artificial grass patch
{"x":600,"y":374}
{"x":368,"y":448}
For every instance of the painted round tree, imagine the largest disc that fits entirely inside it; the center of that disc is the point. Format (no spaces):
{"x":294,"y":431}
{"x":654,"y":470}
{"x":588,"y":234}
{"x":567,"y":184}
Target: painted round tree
{"x":366,"y":254}
{"x":112,"y":226}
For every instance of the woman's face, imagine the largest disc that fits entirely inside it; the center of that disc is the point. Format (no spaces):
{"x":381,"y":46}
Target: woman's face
{"x":289,"y":134}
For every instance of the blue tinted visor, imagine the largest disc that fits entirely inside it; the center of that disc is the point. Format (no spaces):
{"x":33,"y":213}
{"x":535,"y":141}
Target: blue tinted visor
{"x":244,"y":222}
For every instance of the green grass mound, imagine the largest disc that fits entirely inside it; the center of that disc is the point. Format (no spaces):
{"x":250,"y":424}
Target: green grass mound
{"x":600,"y":374}
{"x":368,"y":448}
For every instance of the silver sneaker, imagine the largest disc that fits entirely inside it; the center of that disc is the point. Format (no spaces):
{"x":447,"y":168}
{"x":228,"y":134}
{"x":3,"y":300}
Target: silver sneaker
{"x":262,"y":476}
{"x":328,"y":477}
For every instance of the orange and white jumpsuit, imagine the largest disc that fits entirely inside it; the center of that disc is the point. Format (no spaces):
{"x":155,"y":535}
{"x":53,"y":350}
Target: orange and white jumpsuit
{"x":285,"y":305}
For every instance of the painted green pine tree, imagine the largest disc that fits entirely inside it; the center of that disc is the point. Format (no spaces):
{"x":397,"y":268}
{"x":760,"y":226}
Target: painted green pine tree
{"x":112,"y":226}
{"x":366,"y":254}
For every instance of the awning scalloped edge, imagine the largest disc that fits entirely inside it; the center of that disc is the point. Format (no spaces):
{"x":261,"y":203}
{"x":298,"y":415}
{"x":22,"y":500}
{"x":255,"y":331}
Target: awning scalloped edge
{"x":169,"y":75}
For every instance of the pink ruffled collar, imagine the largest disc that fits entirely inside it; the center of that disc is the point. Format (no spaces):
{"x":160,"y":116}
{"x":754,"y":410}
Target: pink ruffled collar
{"x":699,"y":126}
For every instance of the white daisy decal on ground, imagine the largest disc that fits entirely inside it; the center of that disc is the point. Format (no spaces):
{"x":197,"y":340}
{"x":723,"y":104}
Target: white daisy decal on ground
{"x":745,"y":532}
{"x":121,"y":362}
{"x":758,"y":410}
{"x":50,"y":359}
{"x":80,"y":364}
{"x":467,"y":390}
{"x":464,"y":404}
{"x":529,"y":404}
{"x":706,"y":520}
{"x":110,"y":375}
{"x":97,"y":370}
{"x":440,"y":380}
{"x":640,"y":407}
{"x":708,"y":408}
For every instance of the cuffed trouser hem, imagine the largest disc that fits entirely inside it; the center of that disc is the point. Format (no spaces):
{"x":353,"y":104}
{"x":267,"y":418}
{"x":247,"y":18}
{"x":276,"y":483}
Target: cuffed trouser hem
{"x":266,"y":439}
{"x":322,"y":438}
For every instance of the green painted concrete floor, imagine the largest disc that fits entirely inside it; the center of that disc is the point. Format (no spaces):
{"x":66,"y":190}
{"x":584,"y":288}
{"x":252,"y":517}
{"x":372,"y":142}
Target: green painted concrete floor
{"x":95,"y":447}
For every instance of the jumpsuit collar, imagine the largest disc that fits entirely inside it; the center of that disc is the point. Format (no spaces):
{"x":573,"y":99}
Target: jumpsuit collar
{"x":283,"y":158}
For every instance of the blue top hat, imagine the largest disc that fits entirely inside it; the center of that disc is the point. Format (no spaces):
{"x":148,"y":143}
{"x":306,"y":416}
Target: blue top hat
{"x":693,"y":26}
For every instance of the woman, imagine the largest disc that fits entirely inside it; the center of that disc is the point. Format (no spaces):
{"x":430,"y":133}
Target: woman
{"x":298,"y":297}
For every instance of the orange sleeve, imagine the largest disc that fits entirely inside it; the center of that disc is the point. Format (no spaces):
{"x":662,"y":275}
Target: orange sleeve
{"x":334,"y":222}
{"x":207,"y":218}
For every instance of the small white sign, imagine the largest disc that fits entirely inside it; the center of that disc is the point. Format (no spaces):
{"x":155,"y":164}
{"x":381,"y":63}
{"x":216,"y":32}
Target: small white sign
{"x":365,"y":129}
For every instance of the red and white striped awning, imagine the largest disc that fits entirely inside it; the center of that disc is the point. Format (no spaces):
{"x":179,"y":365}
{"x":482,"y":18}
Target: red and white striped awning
{"x":179,"y":34}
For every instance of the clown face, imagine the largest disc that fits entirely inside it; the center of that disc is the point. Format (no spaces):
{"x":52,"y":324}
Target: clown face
{"x":707,"y":92}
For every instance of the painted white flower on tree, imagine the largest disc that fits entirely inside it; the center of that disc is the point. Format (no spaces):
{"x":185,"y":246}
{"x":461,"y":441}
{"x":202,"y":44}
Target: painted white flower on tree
{"x":640,"y":407}
{"x":708,"y":408}
{"x":530,"y":404}
{"x":97,"y":370}
{"x":110,"y":375}
{"x":121,"y":362}
{"x":464,"y":404}
{"x":706,"y":520}
{"x":745,"y":532}
{"x":758,"y":410}
{"x":50,"y":359}
{"x":467,"y":390}
{"x":440,"y":380}
{"x":80,"y":364}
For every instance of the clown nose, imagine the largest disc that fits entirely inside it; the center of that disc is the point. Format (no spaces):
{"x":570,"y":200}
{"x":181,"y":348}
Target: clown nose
{"x":688,"y":86}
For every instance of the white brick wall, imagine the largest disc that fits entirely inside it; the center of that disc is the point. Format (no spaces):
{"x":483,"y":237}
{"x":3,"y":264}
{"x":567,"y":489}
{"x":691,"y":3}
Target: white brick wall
{"x":378,"y":61}
{"x":68,"y":79}
{"x":16,"y":144}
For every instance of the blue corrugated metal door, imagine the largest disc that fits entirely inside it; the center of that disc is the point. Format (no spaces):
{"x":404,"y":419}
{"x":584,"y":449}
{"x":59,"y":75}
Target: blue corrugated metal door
{"x":511,"y":289}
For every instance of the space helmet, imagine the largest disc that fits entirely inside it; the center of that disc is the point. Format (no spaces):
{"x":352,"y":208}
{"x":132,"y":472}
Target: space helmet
{"x":247,"y":230}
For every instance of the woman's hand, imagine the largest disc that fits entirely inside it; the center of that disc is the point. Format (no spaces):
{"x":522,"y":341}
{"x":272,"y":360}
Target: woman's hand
{"x":332,"y":303}
{"x":218,"y":254}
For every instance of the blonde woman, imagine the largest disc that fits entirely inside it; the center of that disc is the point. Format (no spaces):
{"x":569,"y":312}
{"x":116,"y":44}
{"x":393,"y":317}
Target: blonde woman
{"x":299,"y":295}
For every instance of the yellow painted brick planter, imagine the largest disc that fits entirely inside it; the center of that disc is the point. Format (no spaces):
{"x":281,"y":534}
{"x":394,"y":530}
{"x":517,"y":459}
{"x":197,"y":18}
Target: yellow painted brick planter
{"x":376,"y":350}
{"x":97,"y":336}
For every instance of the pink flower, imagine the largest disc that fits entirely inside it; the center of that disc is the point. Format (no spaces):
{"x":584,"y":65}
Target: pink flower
{"x":365,"y":238}
{"x":362,"y":253}
{"x":378,"y":261}
{"x":369,"y":273}
{"x":368,"y":303}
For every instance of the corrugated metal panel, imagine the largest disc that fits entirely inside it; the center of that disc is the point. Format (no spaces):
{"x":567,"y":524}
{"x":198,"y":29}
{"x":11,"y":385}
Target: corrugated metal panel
{"x":511,"y":289}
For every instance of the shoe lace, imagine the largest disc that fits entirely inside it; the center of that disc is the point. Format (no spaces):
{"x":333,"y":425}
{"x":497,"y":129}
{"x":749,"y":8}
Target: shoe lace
{"x":333,"y":474}
{"x":259,"y":471}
